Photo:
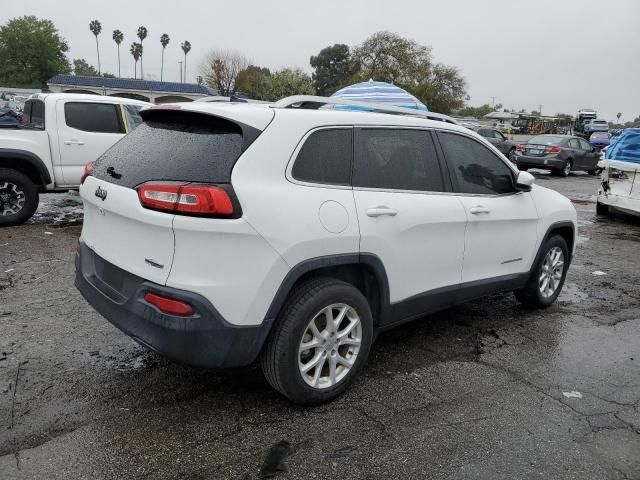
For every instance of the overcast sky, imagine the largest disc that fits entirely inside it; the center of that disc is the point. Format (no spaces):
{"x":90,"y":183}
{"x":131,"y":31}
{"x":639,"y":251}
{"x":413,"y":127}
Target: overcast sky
{"x":563,"y":54}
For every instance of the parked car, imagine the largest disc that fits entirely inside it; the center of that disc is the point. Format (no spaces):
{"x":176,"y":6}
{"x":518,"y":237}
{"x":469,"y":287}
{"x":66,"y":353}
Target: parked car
{"x":498,"y":140}
{"x":561,"y":154}
{"x":218,"y":234}
{"x":620,"y":189}
{"x":58,"y":134}
{"x":595,"y":125}
{"x":469,"y":124}
{"x":599,"y":139}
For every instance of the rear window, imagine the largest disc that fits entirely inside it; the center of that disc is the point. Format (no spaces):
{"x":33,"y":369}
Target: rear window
{"x":547,"y":140}
{"x":93,"y":117}
{"x":325,"y":157}
{"x":171,"y":146}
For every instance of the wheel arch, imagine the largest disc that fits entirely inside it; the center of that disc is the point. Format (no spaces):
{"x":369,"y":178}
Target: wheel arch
{"x":567,"y":230}
{"x":365,"y":271}
{"x":26,"y":162}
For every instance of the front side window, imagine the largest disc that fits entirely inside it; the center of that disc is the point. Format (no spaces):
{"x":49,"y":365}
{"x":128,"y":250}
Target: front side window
{"x":93,"y":117}
{"x":474,"y":168}
{"x":584,"y":145}
{"x":397,"y":159}
{"x":325,"y":157}
{"x":573,"y":143}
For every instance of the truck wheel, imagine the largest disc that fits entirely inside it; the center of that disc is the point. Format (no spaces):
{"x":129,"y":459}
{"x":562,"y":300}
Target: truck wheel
{"x":602,"y":209}
{"x":320,"y":342}
{"x":548,"y":274}
{"x":18,"y":197}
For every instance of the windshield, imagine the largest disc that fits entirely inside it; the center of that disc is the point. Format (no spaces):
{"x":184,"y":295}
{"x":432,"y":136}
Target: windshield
{"x":547,"y":140}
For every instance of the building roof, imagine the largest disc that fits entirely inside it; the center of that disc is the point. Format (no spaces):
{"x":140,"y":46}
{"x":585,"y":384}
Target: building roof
{"x":130,"y":84}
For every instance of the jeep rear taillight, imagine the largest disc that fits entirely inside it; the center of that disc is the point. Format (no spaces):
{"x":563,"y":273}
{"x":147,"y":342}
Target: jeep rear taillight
{"x":186,"y":198}
{"x":88,"y":170}
{"x":168,"y":305}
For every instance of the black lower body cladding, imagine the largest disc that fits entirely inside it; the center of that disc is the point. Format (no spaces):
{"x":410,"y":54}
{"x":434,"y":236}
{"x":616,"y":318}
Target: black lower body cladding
{"x":203,"y":339}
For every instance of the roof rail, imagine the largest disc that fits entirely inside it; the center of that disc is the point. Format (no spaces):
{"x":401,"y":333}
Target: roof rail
{"x":312,"y":102}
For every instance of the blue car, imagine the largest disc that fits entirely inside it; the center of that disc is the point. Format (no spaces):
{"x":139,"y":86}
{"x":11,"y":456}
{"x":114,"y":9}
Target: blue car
{"x":599,"y":139}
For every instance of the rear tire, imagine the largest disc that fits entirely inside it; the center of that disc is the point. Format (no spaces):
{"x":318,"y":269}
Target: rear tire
{"x":285,"y":358}
{"x":18,"y":197}
{"x":537,"y":293}
{"x":602,"y":209}
{"x":567,"y":168}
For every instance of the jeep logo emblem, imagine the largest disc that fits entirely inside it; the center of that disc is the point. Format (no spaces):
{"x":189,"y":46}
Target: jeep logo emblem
{"x":101,"y":194}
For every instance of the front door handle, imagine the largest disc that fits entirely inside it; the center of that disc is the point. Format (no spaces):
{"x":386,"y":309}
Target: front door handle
{"x":479,"y":209}
{"x":380,"y":211}
{"x":73,"y":142}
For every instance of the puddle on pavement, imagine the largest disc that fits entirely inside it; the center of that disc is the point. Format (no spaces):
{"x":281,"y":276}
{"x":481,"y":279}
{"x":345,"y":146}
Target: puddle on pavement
{"x":632,"y":237}
{"x":572,"y":294}
{"x":58,"y":210}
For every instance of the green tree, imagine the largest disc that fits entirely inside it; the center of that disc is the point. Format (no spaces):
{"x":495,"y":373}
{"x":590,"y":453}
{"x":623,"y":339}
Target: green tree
{"x":255,"y":82}
{"x":95,"y":27}
{"x":476,"y":112}
{"x":118,"y":37}
{"x":81,"y":67}
{"x":136,"y":53}
{"x":186,"y":48}
{"x":442,"y":89}
{"x":333,"y":69}
{"x":31,"y":52}
{"x":388,"y":57}
{"x":287,"y":82}
{"x":142,"y":34}
{"x":164,"y":41}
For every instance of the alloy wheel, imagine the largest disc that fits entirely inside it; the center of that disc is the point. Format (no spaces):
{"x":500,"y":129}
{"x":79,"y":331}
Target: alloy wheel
{"x":551,"y":272}
{"x":12,"y":198}
{"x":567,"y":168}
{"x":329,"y":346}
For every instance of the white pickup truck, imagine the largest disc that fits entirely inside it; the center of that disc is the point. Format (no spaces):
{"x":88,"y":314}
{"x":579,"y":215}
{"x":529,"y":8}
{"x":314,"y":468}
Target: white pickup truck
{"x":59,"y":134}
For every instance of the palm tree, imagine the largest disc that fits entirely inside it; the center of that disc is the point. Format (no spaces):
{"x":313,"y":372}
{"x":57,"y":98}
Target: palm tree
{"x":186,"y":46}
{"x":118,"y":37}
{"x":96,"y":28}
{"x":164,"y":40}
{"x":136,"y":52}
{"x":142,"y":34}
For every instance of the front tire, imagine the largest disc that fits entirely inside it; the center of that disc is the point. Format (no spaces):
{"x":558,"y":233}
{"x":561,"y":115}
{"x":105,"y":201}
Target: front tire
{"x":320,"y":342}
{"x":18,"y":197}
{"x":547,"y":278}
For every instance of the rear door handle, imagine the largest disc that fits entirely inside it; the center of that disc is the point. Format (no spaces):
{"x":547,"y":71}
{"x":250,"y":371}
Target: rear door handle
{"x":479,"y":209}
{"x":380,"y":211}
{"x":73,"y":142}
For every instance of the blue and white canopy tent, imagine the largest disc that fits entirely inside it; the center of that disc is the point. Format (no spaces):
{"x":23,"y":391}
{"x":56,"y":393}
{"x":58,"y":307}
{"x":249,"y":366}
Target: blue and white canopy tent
{"x":380,"y":93}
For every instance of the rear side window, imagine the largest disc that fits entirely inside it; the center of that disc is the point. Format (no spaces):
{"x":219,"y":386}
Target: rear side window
{"x":93,"y":117}
{"x":176,"y":146}
{"x":33,"y":114}
{"x":474,"y":168}
{"x":397,"y":159}
{"x":325,"y":157}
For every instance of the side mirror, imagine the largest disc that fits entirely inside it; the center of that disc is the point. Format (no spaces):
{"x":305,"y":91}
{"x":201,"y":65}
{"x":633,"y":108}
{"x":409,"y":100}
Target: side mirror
{"x":524,"y":181}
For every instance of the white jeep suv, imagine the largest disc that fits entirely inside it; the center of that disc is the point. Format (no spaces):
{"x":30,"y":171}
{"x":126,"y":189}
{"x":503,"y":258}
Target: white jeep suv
{"x":219,"y":234}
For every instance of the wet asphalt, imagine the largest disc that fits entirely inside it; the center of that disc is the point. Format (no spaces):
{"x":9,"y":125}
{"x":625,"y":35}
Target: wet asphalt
{"x":486,"y":390}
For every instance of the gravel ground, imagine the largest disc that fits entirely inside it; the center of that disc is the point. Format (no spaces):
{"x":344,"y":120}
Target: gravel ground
{"x":486,"y":390}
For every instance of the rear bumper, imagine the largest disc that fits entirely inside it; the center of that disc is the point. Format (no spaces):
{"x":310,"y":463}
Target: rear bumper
{"x":538,"y":162}
{"x":204,"y":339}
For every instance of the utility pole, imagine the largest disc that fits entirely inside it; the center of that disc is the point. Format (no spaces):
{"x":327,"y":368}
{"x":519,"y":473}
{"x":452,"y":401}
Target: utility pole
{"x":540,"y":110}
{"x":493,"y":101}
{"x":180,"y":63}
